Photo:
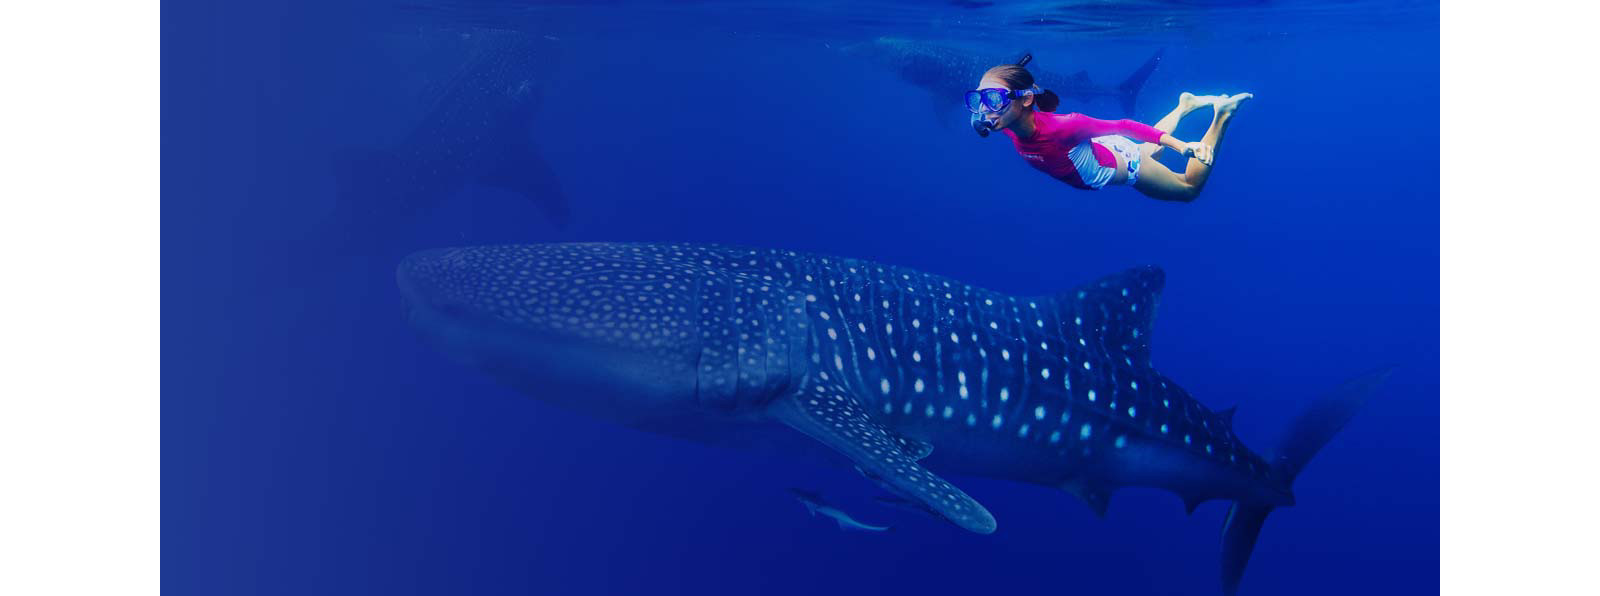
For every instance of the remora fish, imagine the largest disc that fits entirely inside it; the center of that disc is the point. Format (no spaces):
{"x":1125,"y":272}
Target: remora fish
{"x":815,"y":505}
{"x":881,"y":364}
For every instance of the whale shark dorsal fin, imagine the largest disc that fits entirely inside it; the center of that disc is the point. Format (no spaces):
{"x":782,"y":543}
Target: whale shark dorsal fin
{"x":834,"y":416}
{"x":1227,"y":416}
{"x":1116,"y":311}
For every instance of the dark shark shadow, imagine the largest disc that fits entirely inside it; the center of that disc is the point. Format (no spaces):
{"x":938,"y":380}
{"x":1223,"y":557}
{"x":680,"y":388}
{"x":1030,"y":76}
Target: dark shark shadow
{"x":946,"y":73}
{"x":476,"y":127}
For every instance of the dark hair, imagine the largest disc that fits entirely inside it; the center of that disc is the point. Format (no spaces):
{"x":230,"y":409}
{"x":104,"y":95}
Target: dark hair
{"x":1017,"y":78}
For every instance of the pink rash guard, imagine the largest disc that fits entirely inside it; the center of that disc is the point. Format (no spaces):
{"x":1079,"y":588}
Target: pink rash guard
{"x":1049,"y":149}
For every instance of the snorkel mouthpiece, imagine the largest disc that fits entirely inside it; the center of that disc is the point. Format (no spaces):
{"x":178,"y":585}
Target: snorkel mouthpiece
{"x":981,"y":125}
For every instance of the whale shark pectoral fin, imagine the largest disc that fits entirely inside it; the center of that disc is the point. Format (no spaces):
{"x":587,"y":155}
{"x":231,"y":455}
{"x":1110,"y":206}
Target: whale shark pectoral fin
{"x":834,"y":417}
{"x":893,"y":501}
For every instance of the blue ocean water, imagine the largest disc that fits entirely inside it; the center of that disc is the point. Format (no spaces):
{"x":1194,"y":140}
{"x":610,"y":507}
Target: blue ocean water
{"x":312,"y":445}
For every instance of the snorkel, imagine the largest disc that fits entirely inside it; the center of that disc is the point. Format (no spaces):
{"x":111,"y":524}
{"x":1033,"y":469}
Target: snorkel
{"x":981,"y":125}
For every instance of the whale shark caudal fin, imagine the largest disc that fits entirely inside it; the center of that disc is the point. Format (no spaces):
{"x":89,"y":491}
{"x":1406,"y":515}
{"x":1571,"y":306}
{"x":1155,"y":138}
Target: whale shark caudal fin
{"x":1305,"y":436}
{"x":834,"y":416}
{"x":1128,"y":91}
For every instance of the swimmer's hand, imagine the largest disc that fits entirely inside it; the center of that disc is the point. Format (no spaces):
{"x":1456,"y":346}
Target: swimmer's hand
{"x":1200,"y":151}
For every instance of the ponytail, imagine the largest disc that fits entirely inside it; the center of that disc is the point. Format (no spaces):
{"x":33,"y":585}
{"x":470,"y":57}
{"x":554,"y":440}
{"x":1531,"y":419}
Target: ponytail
{"x":1047,"y":101}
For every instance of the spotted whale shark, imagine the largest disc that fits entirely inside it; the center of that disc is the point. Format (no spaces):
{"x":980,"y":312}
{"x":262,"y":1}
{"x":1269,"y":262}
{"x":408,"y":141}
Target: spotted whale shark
{"x":896,"y":372}
{"x":946,"y":73}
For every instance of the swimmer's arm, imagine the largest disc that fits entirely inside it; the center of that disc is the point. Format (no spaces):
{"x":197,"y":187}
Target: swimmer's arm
{"x":1133,"y":129}
{"x":1085,"y":126}
{"x":1173,"y":143}
{"x":1145,"y":133}
{"x":1202,"y":152}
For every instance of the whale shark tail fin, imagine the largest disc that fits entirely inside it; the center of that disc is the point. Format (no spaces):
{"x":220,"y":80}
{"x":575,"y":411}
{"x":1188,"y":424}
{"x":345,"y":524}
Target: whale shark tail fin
{"x":1305,"y":436}
{"x":1128,"y":91}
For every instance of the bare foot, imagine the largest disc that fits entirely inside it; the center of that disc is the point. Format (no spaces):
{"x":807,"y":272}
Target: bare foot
{"x":1192,"y":102}
{"x":1226,"y":105}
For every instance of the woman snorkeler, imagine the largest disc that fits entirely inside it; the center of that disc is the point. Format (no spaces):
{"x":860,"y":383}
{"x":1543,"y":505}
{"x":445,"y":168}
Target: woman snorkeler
{"x":1088,"y":153}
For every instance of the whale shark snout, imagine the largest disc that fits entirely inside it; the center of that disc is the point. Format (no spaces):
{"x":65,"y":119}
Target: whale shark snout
{"x":585,"y":329}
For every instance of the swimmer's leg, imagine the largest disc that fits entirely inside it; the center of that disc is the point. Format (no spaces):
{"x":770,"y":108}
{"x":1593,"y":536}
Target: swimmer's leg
{"x":1187,"y":102}
{"x":1158,"y":182}
{"x":1196,"y":172}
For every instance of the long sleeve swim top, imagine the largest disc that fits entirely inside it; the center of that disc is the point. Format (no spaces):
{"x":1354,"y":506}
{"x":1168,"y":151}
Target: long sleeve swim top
{"x":1048,"y":149}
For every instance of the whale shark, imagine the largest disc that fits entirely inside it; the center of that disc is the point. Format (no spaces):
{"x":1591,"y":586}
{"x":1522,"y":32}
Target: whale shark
{"x":817,"y":506}
{"x":904,"y":375}
{"x":475,"y":128}
{"x":947,"y":73}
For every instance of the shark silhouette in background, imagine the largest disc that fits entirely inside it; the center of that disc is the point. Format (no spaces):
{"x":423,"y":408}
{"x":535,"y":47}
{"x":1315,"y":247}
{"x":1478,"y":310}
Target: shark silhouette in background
{"x":947,"y":73}
{"x":476,"y":128}
{"x":896,"y":372}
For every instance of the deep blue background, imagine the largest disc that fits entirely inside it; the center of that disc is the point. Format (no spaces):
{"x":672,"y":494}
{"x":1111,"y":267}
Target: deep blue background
{"x":313,"y":446}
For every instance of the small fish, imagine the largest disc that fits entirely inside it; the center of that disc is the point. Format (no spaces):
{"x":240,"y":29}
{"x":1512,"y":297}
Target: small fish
{"x":814,"y":504}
